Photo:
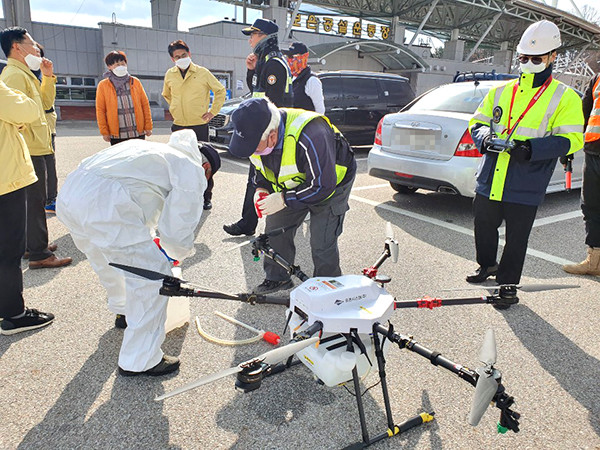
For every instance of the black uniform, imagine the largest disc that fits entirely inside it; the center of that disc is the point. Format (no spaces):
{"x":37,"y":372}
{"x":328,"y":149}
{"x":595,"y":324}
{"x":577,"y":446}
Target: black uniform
{"x":301,"y":100}
{"x":270,"y":78}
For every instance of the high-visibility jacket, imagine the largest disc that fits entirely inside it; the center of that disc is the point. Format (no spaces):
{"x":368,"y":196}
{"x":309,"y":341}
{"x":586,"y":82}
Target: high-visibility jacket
{"x":260,"y":80}
{"x":592,"y":132}
{"x":289,"y":176}
{"x":557,"y":112}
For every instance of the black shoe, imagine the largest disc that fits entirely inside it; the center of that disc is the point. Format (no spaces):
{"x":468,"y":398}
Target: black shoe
{"x":166,"y":365}
{"x":268,"y":286}
{"x":207,"y":206}
{"x":120,"y":321}
{"x":30,"y":321}
{"x":482,"y":274}
{"x":507,"y":296}
{"x":235,"y":230}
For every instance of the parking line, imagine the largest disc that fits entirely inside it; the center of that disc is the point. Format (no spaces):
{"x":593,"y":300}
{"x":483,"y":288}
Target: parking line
{"x":466,"y":231}
{"x":557,"y":218}
{"x":372,"y":186}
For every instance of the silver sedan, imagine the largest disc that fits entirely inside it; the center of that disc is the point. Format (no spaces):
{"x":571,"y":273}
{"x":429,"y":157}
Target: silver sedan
{"x":428,"y":146}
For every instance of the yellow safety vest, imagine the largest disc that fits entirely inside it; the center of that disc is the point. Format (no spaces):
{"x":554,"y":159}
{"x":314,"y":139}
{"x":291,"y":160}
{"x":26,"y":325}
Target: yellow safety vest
{"x":540,"y":121}
{"x":289,"y":176}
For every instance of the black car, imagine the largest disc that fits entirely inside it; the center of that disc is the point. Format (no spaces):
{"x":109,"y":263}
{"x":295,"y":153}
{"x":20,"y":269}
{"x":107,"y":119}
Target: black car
{"x":355,"y":101}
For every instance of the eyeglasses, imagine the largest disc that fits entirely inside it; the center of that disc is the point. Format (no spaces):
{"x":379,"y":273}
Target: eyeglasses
{"x":534,"y":59}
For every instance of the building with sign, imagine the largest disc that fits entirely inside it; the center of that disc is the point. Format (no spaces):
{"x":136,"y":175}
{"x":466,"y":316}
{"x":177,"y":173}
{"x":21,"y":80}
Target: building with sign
{"x":362,"y":40}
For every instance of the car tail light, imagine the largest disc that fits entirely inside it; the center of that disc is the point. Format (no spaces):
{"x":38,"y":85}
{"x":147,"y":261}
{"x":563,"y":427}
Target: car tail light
{"x":378,"y":133}
{"x":466,"y":146}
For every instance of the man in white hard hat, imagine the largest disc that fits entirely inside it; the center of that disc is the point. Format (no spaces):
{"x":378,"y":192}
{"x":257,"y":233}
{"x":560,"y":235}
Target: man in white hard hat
{"x":543,"y":119}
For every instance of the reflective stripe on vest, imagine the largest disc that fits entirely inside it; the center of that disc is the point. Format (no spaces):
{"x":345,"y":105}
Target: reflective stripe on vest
{"x":533,"y":125}
{"x":592,"y":131}
{"x":289,"y":175}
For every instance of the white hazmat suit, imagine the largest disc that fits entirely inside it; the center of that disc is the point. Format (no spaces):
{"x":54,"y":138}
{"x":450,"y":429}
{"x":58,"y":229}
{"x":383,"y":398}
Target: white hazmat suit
{"x":112,"y":204}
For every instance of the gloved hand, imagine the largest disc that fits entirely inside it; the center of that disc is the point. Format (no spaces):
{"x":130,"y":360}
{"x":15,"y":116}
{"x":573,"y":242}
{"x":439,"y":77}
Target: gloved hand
{"x":521,"y":152}
{"x":259,"y":194}
{"x":565,"y":159}
{"x":271,"y":204}
{"x":484,"y":144}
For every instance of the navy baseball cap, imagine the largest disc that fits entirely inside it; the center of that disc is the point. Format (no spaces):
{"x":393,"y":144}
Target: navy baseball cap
{"x":213,"y":157}
{"x":249,"y":121}
{"x":296,"y":48}
{"x":263,"y":25}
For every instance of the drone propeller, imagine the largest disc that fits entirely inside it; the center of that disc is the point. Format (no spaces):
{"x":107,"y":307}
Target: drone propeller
{"x":144,"y":273}
{"x":391,"y":242}
{"x":487,"y":385}
{"x":270,"y":358}
{"x":522,"y":287}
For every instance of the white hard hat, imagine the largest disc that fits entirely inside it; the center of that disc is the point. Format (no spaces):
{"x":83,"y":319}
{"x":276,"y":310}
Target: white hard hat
{"x":539,"y":38}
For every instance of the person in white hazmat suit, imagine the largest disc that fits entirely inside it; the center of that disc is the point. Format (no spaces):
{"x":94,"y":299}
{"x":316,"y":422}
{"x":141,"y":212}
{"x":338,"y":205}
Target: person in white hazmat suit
{"x":112,"y":204}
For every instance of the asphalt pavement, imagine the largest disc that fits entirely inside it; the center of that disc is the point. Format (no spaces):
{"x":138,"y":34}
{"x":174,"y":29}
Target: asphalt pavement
{"x":60,"y":387}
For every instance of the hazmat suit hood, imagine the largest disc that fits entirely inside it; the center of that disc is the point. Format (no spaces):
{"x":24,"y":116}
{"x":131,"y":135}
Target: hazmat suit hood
{"x":187,"y":142}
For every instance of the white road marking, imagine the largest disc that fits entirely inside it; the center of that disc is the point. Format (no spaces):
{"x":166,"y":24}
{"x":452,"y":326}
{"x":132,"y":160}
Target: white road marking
{"x":372,"y":186}
{"x":466,"y":231}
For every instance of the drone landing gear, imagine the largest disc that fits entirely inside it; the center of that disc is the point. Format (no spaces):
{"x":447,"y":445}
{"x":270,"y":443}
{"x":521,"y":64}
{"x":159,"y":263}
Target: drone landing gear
{"x":393,"y":429}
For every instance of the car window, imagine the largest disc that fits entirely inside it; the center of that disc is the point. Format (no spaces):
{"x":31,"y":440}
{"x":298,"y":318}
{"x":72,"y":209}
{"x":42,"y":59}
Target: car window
{"x":331,"y":89}
{"x":363,"y":89}
{"x":396,"y":92}
{"x":459,"y":97}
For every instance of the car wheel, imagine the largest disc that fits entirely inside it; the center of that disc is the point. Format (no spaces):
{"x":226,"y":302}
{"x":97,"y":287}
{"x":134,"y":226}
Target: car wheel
{"x":403,"y":189}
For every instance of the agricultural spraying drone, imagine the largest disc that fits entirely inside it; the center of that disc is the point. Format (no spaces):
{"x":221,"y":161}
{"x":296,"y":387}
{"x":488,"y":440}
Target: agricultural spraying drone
{"x":340,"y":328}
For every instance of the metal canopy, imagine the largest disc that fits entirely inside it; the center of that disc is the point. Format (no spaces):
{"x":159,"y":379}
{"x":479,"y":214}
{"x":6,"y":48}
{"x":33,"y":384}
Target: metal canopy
{"x":392,"y":57}
{"x":471,"y":18}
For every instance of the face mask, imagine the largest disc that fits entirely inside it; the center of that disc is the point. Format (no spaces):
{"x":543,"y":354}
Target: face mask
{"x":33,"y":62}
{"x":120,"y":71}
{"x":530,"y":67}
{"x":183,"y":63}
{"x":297,"y":63}
{"x":265,"y":152}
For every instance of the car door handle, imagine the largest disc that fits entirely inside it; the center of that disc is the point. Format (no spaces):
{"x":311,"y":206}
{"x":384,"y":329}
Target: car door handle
{"x":352,"y":108}
{"x":336,"y":109}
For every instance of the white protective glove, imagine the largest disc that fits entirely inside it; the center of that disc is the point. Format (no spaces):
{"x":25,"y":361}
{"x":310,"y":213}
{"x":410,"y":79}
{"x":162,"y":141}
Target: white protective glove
{"x":271,"y":204}
{"x":257,"y":196}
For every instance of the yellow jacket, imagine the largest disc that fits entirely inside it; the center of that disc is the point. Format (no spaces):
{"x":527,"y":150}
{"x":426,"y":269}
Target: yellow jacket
{"x":48,"y":98}
{"x":15,"y":110}
{"x":189,"y":97}
{"x":17,"y":76}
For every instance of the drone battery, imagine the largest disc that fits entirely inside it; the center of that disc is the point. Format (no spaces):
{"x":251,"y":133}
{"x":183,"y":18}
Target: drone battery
{"x":341,"y":304}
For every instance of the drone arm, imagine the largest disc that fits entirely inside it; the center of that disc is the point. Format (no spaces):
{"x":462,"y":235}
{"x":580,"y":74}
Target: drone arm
{"x":430,"y":303}
{"x":434,"y":357}
{"x":261,"y":244}
{"x":371,"y":272}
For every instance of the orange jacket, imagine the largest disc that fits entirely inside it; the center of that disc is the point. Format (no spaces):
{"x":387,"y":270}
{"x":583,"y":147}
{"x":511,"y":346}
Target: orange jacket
{"x":107,"y":113}
{"x":592,"y":132}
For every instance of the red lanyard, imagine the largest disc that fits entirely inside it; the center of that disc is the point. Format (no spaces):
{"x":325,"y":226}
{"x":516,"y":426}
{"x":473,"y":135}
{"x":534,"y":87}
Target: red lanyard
{"x":535,"y":98}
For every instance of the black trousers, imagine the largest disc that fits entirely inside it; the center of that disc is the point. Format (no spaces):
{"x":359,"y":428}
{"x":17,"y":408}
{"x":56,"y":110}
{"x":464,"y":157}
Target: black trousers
{"x":51,"y":177}
{"x":488,"y":218}
{"x":202,"y":135}
{"x":12,"y":246}
{"x":590,"y":199}
{"x":37,"y":229}
{"x":114,"y":141}
{"x":249,"y":219}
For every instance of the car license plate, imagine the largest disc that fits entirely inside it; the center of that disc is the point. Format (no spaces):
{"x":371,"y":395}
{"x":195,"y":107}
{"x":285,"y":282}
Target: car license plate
{"x":212,"y":132}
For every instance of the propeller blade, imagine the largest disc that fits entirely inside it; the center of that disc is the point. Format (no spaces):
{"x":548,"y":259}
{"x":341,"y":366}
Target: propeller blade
{"x":484,"y":393}
{"x":522,"y":287}
{"x":200,"y":381}
{"x":389,"y":231}
{"x":545,"y":287}
{"x":144,"y":273}
{"x":282,"y":353}
{"x":487,"y":355}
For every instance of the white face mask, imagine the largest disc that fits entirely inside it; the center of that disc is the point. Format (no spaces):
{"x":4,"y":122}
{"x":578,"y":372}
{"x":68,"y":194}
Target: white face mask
{"x":530,"y":67}
{"x":183,"y":63}
{"x":120,"y":71}
{"x":33,"y":62}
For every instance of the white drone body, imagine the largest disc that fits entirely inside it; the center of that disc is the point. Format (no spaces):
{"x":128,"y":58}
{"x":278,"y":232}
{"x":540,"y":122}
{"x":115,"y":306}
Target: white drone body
{"x":341,"y":304}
